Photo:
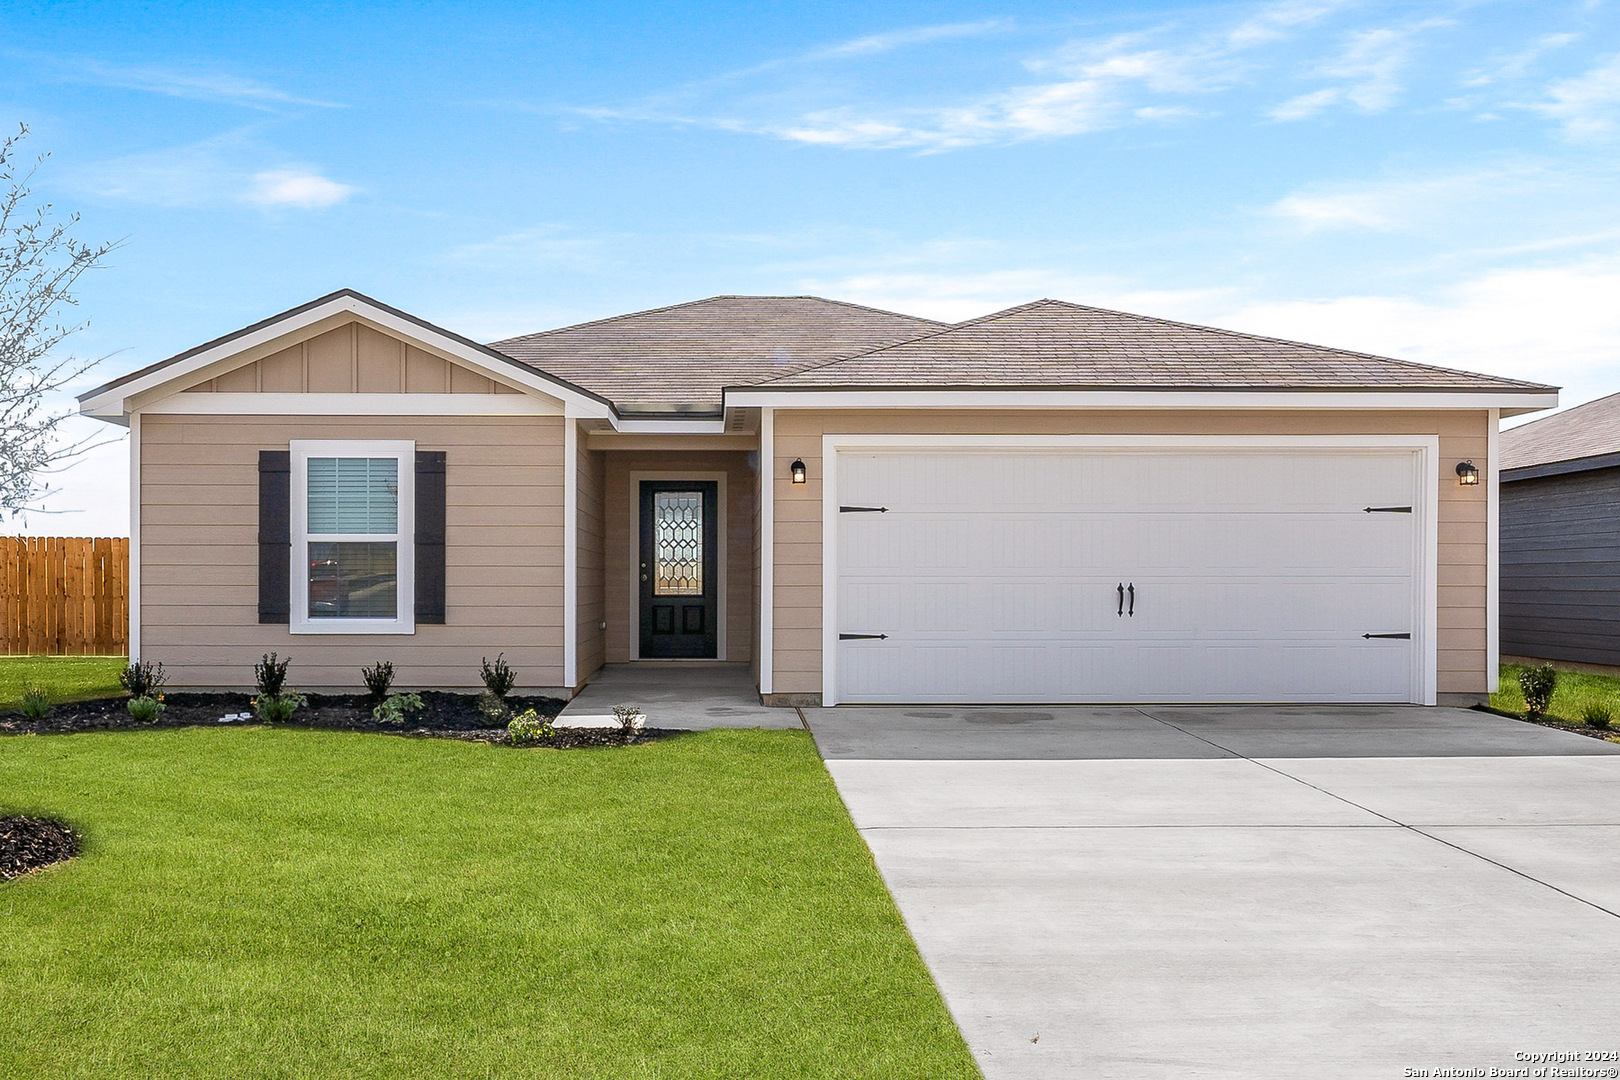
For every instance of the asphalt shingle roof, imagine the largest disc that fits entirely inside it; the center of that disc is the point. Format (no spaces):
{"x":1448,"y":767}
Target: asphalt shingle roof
{"x":1052,"y":343}
{"x":682,"y":357}
{"x":1585,"y":431}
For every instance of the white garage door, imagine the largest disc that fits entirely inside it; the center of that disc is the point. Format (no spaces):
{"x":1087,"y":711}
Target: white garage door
{"x":1102,"y":575}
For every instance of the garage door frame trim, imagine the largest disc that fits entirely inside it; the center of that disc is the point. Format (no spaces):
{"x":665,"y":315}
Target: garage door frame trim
{"x":1425,"y":628}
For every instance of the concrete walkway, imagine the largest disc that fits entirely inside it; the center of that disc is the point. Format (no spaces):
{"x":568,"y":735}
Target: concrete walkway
{"x":693,"y":696}
{"x":1243,"y":892}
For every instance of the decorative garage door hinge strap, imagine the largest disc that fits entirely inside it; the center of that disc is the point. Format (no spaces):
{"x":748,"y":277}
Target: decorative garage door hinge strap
{"x":863,"y":637}
{"x":863,"y":509}
{"x":1388,"y":510}
{"x":1403,"y":637}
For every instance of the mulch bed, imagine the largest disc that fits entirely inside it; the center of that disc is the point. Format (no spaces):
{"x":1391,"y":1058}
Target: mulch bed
{"x":443,"y":716}
{"x":28,"y":843}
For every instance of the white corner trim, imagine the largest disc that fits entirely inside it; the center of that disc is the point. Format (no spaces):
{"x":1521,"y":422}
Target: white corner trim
{"x":767,"y":547}
{"x":721,"y":555}
{"x":209,"y":403}
{"x":1493,"y":552}
{"x":114,"y":402}
{"x":300,"y":451}
{"x":134,"y":538}
{"x":570,"y":553}
{"x":1426,"y":463}
{"x":1029,"y":398}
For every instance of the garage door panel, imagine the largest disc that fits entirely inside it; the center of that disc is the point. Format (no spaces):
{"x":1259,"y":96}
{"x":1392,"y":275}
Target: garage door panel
{"x":1256,"y":573}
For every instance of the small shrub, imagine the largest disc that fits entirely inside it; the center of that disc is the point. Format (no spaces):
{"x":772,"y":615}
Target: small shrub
{"x":493,"y":710}
{"x":278,"y":708}
{"x":631,"y":719}
{"x":379,"y":678}
{"x":143,"y":679}
{"x":394,"y":710}
{"x":1597,"y":714}
{"x":499,"y":678}
{"x":1538,"y":684}
{"x":36,"y":703}
{"x":145,"y":709}
{"x":270,"y":675}
{"x":529,"y":727}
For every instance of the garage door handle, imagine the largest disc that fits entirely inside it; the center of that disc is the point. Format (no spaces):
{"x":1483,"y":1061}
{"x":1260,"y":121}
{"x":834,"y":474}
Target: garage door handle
{"x":1387,"y":510}
{"x":863,"y":637}
{"x":1122,"y":599}
{"x":1132,"y":611}
{"x":1403,"y":637}
{"x":863,"y":509}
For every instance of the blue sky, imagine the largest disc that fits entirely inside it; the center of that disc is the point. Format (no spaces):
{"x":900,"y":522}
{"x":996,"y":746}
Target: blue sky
{"x":1437,"y":181}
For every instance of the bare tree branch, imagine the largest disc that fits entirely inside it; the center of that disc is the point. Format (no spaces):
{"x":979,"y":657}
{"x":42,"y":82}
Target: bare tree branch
{"x":40,"y":262}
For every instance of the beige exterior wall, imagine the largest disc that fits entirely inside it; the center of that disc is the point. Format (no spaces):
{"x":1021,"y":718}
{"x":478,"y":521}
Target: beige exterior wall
{"x":623,"y":541}
{"x":504,"y":551}
{"x":797,"y":532}
{"x":592,"y":556}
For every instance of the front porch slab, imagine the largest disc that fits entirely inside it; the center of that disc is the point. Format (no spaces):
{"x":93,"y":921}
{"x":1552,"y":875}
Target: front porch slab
{"x":695,"y":696}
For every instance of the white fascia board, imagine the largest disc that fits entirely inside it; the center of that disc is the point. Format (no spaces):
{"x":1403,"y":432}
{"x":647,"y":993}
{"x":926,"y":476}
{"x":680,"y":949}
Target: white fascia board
{"x":112,"y":404}
{"x":671,"y":427}
{"x":975,"y":398}
{"x":230,"y":404}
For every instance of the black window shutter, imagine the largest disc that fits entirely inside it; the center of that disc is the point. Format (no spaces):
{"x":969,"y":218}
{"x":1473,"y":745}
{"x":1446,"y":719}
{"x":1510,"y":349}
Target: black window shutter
{"x":275,"y":535}
{"x":430,"y":536}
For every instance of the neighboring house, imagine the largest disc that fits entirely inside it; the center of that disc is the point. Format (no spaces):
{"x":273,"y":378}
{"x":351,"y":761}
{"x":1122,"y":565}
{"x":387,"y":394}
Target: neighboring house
{"x":1561,"y":536}
{"x":1051,"y":503}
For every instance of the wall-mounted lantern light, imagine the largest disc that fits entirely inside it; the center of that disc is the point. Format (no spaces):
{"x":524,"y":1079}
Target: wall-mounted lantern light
{"x":797,"y":469}
{"x":1467,"y":473}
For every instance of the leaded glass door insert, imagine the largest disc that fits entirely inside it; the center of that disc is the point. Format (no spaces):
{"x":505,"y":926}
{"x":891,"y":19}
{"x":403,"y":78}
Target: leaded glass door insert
{"x":677,"y":568}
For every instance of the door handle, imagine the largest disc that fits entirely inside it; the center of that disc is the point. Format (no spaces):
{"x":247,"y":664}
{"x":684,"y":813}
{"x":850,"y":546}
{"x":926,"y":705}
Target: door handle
{"x":1132,"y":612}
{"x":1121,"y":611}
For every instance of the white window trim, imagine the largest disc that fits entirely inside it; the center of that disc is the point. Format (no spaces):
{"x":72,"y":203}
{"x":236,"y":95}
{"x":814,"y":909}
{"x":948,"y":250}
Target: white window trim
{"x":404,"y":450}
{"x":1424,"y":448}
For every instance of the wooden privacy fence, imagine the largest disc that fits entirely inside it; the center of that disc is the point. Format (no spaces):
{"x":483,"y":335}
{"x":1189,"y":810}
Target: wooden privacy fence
{"x":64,"y":595}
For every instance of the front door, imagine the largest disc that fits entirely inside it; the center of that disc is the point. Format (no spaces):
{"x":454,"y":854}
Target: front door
{"x":677,"y":568}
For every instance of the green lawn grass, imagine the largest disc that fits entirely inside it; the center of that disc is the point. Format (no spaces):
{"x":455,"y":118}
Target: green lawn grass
{"x":65,"y":678}
{"x":1574,"y":691}
{"x":255,"y":902}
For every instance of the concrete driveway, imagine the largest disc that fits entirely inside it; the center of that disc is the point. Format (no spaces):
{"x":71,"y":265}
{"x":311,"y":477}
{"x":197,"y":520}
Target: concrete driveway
{"x":1247,"y":892}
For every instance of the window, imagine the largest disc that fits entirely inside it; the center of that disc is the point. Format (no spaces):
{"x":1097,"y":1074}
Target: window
{"x":352,"y":524}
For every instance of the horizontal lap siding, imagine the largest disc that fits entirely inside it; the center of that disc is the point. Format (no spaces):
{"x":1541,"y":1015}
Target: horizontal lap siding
{"x":503,"y":559}
{"x":623,"y":510}
{"x":1462,"y":525}
{"x":1561,"y":567}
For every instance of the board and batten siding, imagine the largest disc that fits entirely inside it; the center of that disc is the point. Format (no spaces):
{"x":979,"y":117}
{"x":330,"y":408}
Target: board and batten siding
{"x":503,"y":558}
{"x":592,"y":555}
{"x":623,"y":512}
{"x":1561,"y":567}
{"x":1462,"y":640}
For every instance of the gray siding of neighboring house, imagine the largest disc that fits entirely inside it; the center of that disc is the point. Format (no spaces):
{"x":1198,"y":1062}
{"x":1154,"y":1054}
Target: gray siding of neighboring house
{"x":1561,"y":567}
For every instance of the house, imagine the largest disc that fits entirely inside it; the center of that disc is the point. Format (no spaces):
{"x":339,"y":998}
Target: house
{"x":1561,"y":536}
{"x":1051,"y":503}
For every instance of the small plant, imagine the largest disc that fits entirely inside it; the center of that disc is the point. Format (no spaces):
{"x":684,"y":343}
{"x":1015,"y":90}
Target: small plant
{"x":529,"y":727}
{"x":631,"y":719}
{"x":145,"y":709}
{"x":278,"y":708}
{"x":1538,"y":684}
{"x":1597,"y":714}
{"x":379,"y":678}
{"x":499,"y":678}
{"x":270,"y":675}
{"x":394,"y":710}
{"x":493,"y":710}
{"x":36,"y":703}
{"x":142,"y":678}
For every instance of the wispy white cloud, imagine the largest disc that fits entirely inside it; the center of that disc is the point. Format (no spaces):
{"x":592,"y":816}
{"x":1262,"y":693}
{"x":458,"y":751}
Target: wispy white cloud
{"x":1588,"y":105}
{"x":1365,"y":75}
{"x":1516,"y":64}
{"x":215,"y":172}
{"x":1405,"y":203}
{"x":190,"y":82}
{"x":538,"y":246}
{"x":899,"y":39}
{"x":299,"y":188}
